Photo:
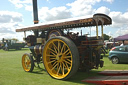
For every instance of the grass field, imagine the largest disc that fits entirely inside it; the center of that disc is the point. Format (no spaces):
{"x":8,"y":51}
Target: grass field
{"x":11,"y":72}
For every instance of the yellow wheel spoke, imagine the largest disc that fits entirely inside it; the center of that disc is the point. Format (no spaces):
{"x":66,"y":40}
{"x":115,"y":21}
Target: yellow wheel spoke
{"x":67,"y":66}
{"x":54,"y":46}
{"x":29,"y":66}
{"x":28,"y":63}
{"x":53,"y":58}
{"x":55,"y":49}
{"x":67,"y":62}
{"x":66,"y":51}
{"x":55,"y":65}
{"x":64,"y":66}
{"x":58,"y":70}
{"x":51,"y":55}
{"x":51,"y":61}
{"x":59,"y":47}
{"x":62,"y":48}
{"x":25,"y":59}
{"x":67,"y":56}
{"x":61,"y":67}
{"x":52,"y":50}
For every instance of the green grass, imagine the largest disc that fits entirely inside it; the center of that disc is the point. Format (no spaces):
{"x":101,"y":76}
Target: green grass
{"x":12,"y":73}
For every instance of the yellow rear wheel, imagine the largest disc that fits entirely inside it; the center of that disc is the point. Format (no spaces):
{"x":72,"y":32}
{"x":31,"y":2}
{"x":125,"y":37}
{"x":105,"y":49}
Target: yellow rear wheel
{"x":60,"y":57}
{"x":27,"y":62}
{"x":54,"y":33}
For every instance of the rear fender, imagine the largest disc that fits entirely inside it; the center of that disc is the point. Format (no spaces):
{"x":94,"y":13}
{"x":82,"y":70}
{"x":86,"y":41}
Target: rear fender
{"x":113,"y":55}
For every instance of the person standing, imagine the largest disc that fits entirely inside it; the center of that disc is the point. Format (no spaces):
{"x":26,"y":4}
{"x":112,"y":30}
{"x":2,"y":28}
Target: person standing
{"x":122,"y":43}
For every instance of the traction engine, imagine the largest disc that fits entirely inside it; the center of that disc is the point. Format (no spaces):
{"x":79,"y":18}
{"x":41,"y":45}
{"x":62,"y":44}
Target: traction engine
{"x":61,"y":51}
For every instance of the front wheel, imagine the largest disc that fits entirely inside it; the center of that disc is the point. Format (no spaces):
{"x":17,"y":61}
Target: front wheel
{"x":27,"y":62}
{"x":115,"y":60}
{"x":60,"y":57}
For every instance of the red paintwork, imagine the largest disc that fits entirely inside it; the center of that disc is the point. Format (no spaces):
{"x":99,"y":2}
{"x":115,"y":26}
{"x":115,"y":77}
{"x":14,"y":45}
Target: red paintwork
{"x":114,"y":72}
{"x":108,"y":80}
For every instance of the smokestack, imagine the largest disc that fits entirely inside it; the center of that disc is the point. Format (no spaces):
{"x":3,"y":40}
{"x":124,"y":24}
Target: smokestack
{"x":35,"y":11}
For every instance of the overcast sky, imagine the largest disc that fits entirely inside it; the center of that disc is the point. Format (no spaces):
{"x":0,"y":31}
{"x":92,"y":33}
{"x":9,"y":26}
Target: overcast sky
{"x":17,"y":13}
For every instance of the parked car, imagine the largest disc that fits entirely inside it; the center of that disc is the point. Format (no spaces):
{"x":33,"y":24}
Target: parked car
{"x":119,"y":54}
{"x":109,"y":45}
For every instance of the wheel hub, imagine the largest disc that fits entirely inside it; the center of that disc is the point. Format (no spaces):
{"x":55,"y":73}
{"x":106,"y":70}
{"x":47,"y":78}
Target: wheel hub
{"x":59,"y":57}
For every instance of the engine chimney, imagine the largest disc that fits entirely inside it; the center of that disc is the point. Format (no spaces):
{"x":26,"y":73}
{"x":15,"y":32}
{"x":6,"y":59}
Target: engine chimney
{"x":35,"y":15}
{"x":35,"y":11}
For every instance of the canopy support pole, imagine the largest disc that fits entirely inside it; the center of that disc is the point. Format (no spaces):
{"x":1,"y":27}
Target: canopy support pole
{"x":102,"y":32}
{"x":97,"y":31}
{"x":24,"y":34}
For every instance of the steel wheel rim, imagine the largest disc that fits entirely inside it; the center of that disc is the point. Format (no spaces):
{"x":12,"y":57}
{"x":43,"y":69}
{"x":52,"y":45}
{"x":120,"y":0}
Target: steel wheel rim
{"x":57,"y":58}
{"x":26,"y":62}
{"x":115,"y":60}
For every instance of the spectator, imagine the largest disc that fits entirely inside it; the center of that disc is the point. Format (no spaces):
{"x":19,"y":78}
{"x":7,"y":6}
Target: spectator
{"x":6,"y":46}
{"x":122,"y":43}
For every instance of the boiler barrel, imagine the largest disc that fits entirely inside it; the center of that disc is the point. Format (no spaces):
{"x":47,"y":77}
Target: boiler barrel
{"x":38,"y":49}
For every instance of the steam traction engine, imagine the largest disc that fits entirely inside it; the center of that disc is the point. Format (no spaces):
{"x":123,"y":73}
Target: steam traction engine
{"x":61,"y":51}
